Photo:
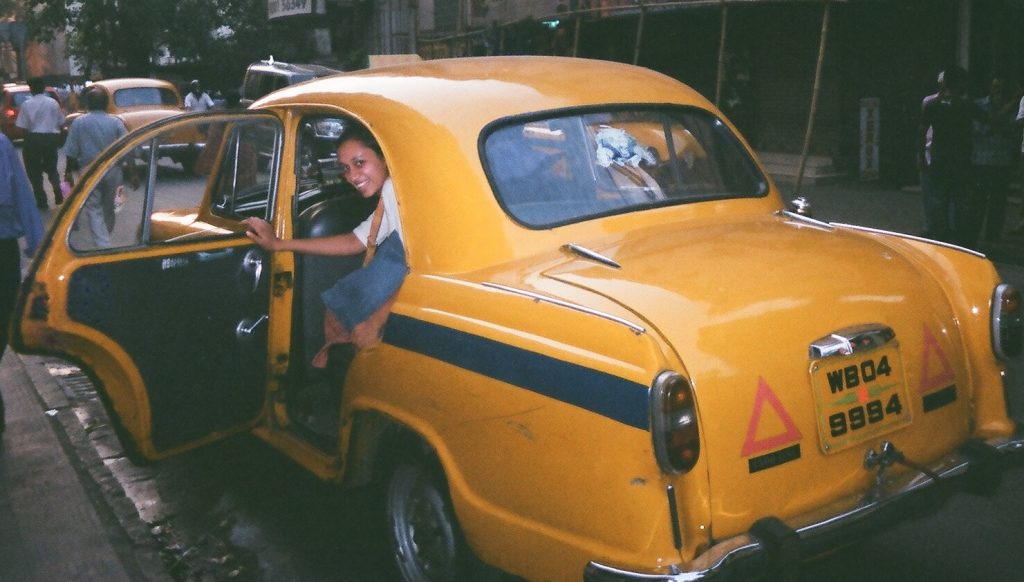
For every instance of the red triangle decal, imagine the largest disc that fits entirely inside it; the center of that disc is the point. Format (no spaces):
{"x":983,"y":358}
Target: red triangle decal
{"x":753,"y":445}
{"x":945,"y":376}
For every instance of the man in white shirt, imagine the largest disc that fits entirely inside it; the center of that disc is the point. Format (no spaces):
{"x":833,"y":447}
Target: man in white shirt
{"x":197,"y":99}
{"x":41,"y":118}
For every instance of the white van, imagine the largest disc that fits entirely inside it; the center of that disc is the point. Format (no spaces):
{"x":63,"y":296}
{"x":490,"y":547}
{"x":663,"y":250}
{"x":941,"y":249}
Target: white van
{"x":269,"y":75}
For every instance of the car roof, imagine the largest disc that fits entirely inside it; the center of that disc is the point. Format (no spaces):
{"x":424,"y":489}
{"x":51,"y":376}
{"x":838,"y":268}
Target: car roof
{"x":431,"y":114}
{"x":500,"y":85}
{"x":126,"y":82}
{"x":19,"y":87}
{"x":303,"y":68}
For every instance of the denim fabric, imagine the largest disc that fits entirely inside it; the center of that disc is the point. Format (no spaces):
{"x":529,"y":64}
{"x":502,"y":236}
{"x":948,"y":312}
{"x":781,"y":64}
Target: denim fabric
{"x":357,"y":295}
{"x":10,"y":278}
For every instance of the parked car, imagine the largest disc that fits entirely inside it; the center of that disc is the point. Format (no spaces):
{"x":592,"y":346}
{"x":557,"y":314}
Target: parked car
{"x":617,"y":355}
{"x":267,"y":76}
{"x":11,"y":97}
{"x":139,"y":102}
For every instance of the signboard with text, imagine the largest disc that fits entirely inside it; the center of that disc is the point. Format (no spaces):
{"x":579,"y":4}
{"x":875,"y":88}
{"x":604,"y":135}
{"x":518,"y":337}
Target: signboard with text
{"x":869,"y":112}
{"x":280,"y":8}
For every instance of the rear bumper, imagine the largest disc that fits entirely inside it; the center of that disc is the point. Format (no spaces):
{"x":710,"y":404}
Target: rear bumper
{"x":774,"y":546}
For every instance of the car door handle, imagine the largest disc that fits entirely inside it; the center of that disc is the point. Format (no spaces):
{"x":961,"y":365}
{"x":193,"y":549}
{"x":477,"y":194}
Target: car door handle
{"x":248,"y":326}
{"x":253,"y":263}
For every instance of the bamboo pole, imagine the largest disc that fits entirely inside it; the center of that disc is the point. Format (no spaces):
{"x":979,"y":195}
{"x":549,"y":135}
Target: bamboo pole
{"x":576,"y":36}
{"x":721,"y":55}
{"x":639,"y":35}
{"x":814,"y":99}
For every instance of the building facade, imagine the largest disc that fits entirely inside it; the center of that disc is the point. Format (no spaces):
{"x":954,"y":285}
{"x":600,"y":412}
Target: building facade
{"x":757,"y":59}
{"x":879,"y":58}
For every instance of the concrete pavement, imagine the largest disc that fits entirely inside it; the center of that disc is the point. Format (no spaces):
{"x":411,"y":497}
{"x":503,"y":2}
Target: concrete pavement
{"x":55,"y":520}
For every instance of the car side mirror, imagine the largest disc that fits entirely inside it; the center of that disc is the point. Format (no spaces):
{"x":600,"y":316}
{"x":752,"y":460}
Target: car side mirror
{"x":801,"y":206}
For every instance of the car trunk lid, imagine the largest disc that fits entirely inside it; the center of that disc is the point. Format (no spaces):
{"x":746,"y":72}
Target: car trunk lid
{"x":806,"y":347}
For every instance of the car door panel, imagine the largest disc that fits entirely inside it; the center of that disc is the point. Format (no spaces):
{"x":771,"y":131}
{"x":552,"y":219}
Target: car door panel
{"x":201,"y":373}
{"x":173,"y":320}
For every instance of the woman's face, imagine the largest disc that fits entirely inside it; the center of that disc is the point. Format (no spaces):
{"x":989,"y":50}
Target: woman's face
{"x":362,"y":167}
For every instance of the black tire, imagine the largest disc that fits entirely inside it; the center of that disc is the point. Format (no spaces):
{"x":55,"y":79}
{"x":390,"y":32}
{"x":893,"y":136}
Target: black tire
{"x":426,"y":541}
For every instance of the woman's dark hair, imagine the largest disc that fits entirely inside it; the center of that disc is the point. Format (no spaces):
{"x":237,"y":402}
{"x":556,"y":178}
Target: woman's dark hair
{"x":362,"y":135}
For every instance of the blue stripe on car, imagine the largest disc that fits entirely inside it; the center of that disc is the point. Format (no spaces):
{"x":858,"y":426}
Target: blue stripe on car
{"x":604,"y":394}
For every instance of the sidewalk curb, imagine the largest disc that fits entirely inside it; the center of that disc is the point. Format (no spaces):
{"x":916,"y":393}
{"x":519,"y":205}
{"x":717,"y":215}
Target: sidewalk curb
{"x":137,"y":549}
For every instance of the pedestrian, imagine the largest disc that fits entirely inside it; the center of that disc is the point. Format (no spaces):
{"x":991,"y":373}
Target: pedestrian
{"x":88,"y":136}
{"x":18,"y":218}
{"x":924,"y":157}
{"x":1019,"y":228}
{"x":197,"y":100}
{"x":994,"y":150}
{"x":944,"y":158}
{"x":41,"y":117}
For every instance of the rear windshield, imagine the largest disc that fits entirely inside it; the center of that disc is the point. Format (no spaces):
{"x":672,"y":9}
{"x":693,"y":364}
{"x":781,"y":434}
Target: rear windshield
{"x":137,"y":96}
{"x":558,"y":170}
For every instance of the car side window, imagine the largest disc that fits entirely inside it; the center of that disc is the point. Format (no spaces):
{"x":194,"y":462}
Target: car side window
{"x":318,"y":175}
{"x":112,"y":214}
{"x":246,"y":151}
{"x":194,"y":180}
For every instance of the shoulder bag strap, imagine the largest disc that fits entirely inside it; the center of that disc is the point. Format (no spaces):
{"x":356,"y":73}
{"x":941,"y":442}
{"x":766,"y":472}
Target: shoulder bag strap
{"x":371,"y":240}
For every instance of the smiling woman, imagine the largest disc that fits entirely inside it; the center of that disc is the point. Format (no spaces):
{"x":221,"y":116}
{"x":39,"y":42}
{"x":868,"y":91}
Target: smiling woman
{"x":358,"y":304}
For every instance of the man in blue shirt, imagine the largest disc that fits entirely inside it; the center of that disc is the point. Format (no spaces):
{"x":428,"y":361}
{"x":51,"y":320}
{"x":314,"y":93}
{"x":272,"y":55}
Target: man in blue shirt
{"x":88,"y":136}
{"x":18,"y":218}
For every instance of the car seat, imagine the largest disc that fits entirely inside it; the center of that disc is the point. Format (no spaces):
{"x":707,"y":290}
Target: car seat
{"x":316,"y":274}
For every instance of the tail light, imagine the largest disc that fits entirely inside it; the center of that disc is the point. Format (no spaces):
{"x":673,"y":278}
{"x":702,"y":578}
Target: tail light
{"x":1007,"y":322}
{"x":674,"y":423}
{"x":10,"y":112}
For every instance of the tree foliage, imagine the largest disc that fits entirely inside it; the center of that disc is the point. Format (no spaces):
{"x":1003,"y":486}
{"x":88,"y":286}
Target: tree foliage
{"x":209,"y":39}
{"x":8,"y":7}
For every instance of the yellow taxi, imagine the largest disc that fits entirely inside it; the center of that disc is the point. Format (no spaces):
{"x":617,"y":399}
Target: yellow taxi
{"x":617,"y":354}
{"x":139,"y":101}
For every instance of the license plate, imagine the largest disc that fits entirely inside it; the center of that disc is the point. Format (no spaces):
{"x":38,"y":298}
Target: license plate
{"x":859,"y":396}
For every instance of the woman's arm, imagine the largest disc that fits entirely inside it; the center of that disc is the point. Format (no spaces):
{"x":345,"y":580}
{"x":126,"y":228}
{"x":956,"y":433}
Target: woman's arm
{"x":261,"y":233}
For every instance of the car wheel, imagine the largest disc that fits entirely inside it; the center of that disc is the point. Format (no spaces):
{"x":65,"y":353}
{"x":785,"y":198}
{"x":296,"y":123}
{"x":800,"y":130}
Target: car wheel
{"x":425,"y":538}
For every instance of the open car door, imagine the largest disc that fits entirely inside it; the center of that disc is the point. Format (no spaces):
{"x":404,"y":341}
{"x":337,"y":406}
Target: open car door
{"x":149,"y":282}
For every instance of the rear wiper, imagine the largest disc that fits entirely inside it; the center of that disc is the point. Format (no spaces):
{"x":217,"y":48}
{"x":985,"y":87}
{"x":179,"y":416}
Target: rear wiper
{"x":589,"y":254}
